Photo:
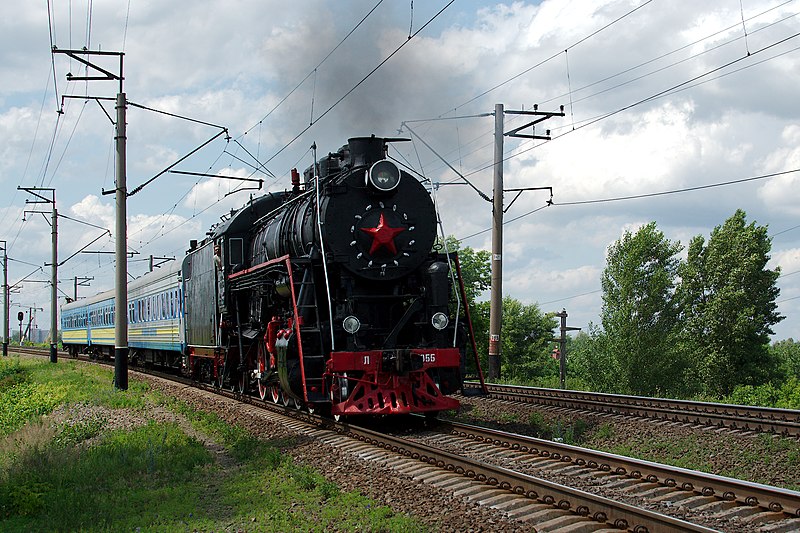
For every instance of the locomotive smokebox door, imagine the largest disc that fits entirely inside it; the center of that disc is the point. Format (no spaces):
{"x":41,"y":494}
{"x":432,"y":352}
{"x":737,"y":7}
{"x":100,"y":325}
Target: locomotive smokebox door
{"x":381,"y":234}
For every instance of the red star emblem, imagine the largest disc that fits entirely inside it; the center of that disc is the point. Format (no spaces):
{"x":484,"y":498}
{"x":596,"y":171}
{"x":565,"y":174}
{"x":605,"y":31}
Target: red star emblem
{"x":383,"y":236}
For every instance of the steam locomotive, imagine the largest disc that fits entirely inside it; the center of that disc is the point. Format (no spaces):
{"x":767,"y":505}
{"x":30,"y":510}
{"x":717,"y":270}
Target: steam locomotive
{"x":328,"y":296}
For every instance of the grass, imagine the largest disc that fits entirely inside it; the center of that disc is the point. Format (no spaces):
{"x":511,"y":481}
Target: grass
{"x":83,"y":476}
{"x":567,"y":430}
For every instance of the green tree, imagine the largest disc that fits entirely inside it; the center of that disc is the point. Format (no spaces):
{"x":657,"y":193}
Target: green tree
{"x":787,"y":354}
{"x":476,"y":272}
{"x":526,"y":342}
{"x":640,"y":311}
{"x":590,"y":362}
{"x":728,"y":300}
{"x":476,"y":268}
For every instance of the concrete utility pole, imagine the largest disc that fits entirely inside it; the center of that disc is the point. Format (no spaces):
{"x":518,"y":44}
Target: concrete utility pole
{"x":121,"y":249}
{"x":53,"y":264}
{"x":5,"y":298}
{"x":121,"y":191}
{"x":54,"y":286}
{"x":496,"y":298}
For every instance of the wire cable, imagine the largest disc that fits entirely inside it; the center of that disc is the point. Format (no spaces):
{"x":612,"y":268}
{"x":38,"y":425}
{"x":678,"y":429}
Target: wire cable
{"x":52,"y":30}
{"x":639,"y":196}
{"x":314,"y":70}
{"x":357,"y":85}
{"x":694,"y":43}
{"x":547,"y":60}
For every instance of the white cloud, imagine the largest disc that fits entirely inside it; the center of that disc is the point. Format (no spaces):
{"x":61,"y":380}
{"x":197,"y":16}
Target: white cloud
{"x":231,"y":66}
{"x":783,"y":192}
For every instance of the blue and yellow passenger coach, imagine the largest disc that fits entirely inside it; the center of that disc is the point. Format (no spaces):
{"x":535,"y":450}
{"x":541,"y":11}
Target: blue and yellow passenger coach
{"x":155,"y":320}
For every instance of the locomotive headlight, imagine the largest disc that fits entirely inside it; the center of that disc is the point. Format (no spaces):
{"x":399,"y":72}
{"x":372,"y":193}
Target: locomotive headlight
{"x":383,"y":176}
{"x":351,"y":324}
{"x":439,"y":321}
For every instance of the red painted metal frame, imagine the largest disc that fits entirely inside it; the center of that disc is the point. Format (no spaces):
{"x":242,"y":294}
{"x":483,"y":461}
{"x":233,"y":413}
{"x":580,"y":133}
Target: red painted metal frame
{"x":283,"y":258}
{"x":382,"y":393}
{"x":296,"y":321}
{"x":297,"y":325}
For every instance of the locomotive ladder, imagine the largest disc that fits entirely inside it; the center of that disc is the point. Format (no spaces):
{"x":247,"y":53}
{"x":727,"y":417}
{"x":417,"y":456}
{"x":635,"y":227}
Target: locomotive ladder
{"x":313,"y":360}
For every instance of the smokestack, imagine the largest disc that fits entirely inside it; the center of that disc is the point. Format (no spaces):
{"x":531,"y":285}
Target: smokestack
{"x":364,"y":151}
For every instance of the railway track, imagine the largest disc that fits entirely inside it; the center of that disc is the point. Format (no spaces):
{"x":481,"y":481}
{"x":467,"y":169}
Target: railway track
{"x":737,"y":418}
{"x":504,"y":471}
{"x":713,"y":500}
{"x":523,"y":497}
{"x":552,"y":485}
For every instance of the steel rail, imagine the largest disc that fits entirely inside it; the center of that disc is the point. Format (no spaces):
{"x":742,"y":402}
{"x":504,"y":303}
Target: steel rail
{"x":784,"y":422}
{"x":746,"y":493}
{"x":597,"y":508}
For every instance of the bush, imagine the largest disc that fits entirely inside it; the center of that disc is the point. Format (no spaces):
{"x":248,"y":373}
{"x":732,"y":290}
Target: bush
{"x":785,"y":396}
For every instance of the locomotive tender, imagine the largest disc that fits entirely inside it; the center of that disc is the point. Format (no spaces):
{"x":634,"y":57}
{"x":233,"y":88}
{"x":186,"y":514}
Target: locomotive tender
{"x":328,"y":296}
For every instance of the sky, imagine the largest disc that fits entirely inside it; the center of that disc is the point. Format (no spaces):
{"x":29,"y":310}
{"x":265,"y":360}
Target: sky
{"x":658,"y":96}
